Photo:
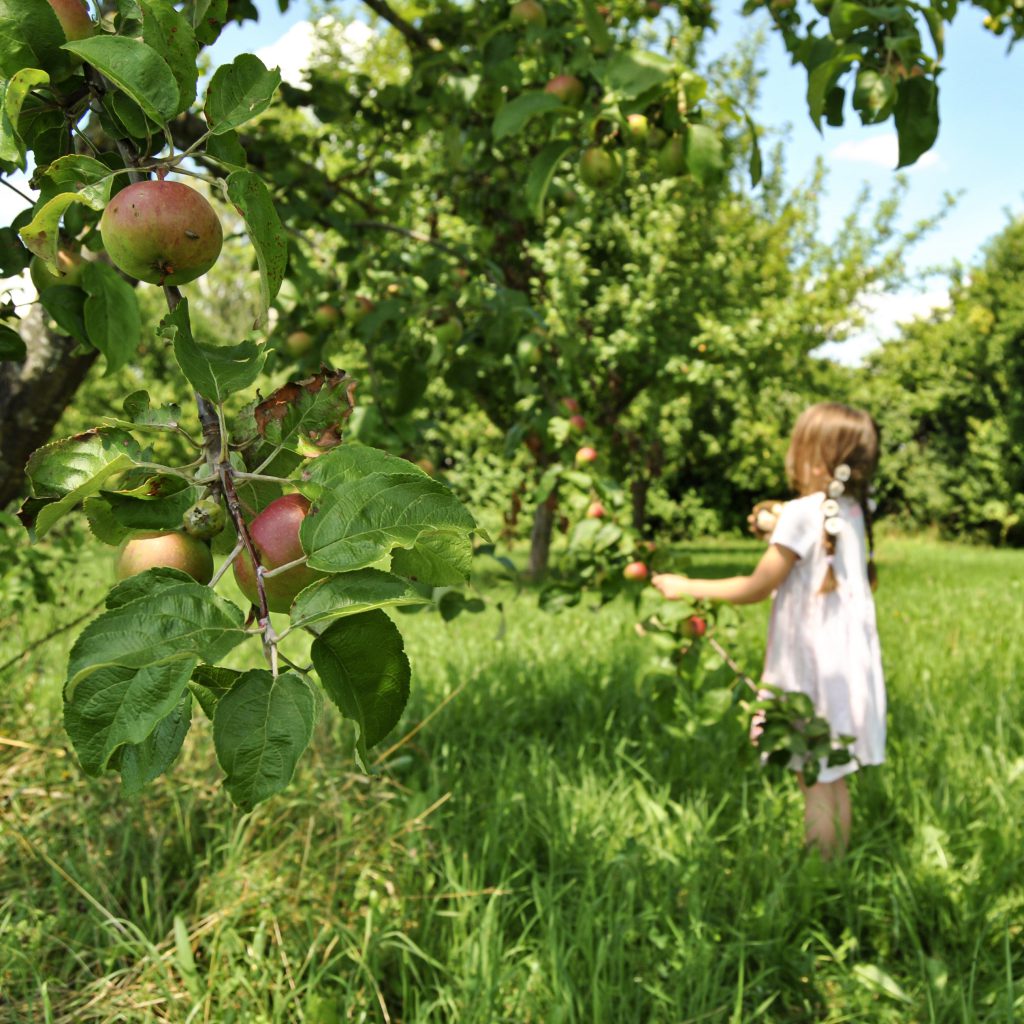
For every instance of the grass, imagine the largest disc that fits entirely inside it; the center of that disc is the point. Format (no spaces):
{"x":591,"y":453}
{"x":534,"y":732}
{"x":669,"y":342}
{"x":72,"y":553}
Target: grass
{"x":544,"y":849}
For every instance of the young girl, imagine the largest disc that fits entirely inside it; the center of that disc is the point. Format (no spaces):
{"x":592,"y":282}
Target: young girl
{"x":822,"y":638}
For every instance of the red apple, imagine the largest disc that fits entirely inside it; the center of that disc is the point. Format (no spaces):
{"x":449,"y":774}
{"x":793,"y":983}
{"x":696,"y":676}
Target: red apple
{"x":695,"y":627}
{"x":568,"y":88}
{"x":171,"y":549}
{"x":298,"y":342}
{"x":527,"y":12}
{"x":275,"y":532}
{"x":586,"y":455}
{"x":635,"y":571}
{"x":74,"y":19}
{"x":595,"y":510}
{"x":570,"y":405}
{"x":577,"y":422}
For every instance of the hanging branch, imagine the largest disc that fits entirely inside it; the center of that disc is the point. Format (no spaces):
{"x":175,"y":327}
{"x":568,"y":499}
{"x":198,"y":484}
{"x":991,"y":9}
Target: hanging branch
{"x":413,"y":35}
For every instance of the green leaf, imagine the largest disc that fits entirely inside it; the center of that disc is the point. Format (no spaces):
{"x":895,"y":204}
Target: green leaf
{"x":161,"y":512}
{"x":12,"y":348}
{"x":597,"y":28}
{"x":873,"y":96}
{"x":820,"y":81}
{"x":75,"y":468}
{"x":631,"y":73}
{"x":917,"y":118}
{"x":514,"y":116}
{"x":210,"y":683}
{"x":135,"y":68}
{"x":137,"y":407}
{"x":358,"y":519}
{"x":42,"y":235}
{"x":227,"y":150}
{"x":30,"y":37}
{"x":252,"y":199}
{"x":141,"y":763}
{"x":104,"y":526}
{"x":755,"y":151}
{"x":171,"y":36}
{"x":13,"y":93}
{"x":260,"y":729}
{"x":362,"y":664}
{"x":238,"y":92}
{"x":215,"y":371}
{"x":704,"y":156}
{"x":85,"y":175}
{"x":301,"y":415}
{"x":112,"y":318}
{"x":442,"y":558}
{"x":208,"y":18}
{"x":542,"y":170}
{"x":351,"y":593}
{"x":66,"y":304}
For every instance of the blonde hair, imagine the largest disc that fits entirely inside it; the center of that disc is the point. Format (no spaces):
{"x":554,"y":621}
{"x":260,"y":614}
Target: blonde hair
{"x":825,"y":436}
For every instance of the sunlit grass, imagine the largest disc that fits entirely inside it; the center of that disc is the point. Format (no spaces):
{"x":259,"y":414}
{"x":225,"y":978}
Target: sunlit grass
{"x":543,"y":850}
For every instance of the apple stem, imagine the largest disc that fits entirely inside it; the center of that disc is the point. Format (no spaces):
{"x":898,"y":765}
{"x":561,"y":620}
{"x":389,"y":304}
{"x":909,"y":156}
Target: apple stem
{"x":241,"y":475}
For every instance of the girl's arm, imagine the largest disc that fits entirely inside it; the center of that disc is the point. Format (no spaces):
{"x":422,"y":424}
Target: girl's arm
{"x":773,"y":568}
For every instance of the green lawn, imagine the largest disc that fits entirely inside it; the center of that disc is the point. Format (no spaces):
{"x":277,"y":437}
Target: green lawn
{"x":544,"y":849}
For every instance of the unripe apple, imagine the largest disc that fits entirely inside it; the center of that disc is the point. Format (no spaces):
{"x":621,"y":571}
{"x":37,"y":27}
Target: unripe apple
{"x":357,"y":306}
{"x":448,"y":332}
{"x":275,"y":533}
{"x":599,"y":168}
{"x":527,"y":12}
{"x":595,"y":510}
{"x":73,"y":16}
{"x":695,"y":627}
{"x":577,"y":422}
{"x":656,"y":137}
{"x":585,"y":456}
{"x":326,"y":316}
{"x":528,"y":351}
{"x":570,"y":405}
{"x":69,"y":264}
{"x":170,"y":549}
{"x":298,"y":343}
{"x":161,"y":232}
{"x":635,"y":571}
{"x":638,"y":127}
{"x":672,"y":158}
{"x":568,"y":88}
{"x":205,"y":519}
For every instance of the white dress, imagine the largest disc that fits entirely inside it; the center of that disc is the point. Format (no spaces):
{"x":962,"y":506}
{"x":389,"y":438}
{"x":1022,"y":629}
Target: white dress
{"x":826,"y":645}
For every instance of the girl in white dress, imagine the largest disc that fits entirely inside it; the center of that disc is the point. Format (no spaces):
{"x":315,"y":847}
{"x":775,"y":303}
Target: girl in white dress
{"x":822,"y":637}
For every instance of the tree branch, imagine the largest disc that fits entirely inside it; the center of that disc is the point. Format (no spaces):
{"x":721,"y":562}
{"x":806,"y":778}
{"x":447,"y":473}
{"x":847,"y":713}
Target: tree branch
{"x":412,"y":34}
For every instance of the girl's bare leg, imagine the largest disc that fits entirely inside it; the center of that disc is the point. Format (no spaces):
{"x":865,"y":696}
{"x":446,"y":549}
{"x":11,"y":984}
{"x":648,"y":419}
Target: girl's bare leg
{"x":827,"y":816}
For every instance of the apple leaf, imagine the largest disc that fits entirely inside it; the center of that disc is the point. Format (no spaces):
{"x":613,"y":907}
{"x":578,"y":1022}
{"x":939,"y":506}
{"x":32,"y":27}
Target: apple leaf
{"x":441,"y":558}
{"x":238,"y":92}
{"x":631,"y":73}
{"x":30,"y":37}
{"x":252,"y":200}
{"x":135,"y":68}
{"x":12,"y":348}
{"x":141,"y":763}
{"x":260,"y":728}
{"x":210,"y":683}
{"x":362,"y":664}
{"x":112,"y":318}
{"x":917,"y":118}
{"x":542,"y":170}
{"x":215,"y":371}
{"x":171,"y":36}
{"x":704,"y":156}
{"x":514,"y":116}
{"x":66,"y":304}
{"x":12,"y":97}
{"x":89,"y":177}
{"x":351,"y":593}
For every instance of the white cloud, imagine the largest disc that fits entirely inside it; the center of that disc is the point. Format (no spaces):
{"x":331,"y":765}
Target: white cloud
{"x":15,"y":289}
{"x":879,"y":150}
{"x":292,"y":52}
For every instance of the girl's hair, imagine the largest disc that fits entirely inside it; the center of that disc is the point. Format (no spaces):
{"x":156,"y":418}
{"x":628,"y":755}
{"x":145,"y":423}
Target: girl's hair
{"x":825,"y":436}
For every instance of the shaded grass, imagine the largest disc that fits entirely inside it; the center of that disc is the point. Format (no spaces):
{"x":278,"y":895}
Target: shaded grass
{"x":544,"y":850}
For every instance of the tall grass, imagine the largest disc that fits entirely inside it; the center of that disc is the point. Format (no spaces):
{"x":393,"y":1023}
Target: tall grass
{"x":544,"y":849}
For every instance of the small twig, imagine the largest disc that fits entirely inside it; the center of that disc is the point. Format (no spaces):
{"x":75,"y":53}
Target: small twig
{"x":728,"y":659}
{"x":227,"y":564}
{"x":277,"y":570}
{"x":242,"y":475}
{"x":412,"y":34}
{"x":17,"y":191}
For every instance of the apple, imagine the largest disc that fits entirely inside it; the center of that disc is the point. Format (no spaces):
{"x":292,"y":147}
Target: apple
{"x":161,"y":232}
{"x":570,"y":405}
{"x":599,"y":168}
{"x":577,"y":422}
{"x":638,"y":127}
{"x":357,"y":306}
{"x":427,"y":466}
{"x":568,"y":88}
{"x":595,"y":510}
{"x":275,"y":533}
{"x":635,"y":571}
{"x":69,"y":266}
{"x":170,"y":549}
{"x":527,"y":12}
{"x":298,"y":343}
{"x":585,"y":456}
{"x":695,"y":627}
{"x":528,"y":351}
{"x":326,"y":316}
{"x":74,"y":19}
{"x":672,"y":157}
{"x":205,"y":519}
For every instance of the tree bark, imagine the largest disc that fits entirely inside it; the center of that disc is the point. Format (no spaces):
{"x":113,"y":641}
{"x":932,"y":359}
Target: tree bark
{"x":540,"y":536}
{"x":639,"y":488}
{"x":33,"y":395}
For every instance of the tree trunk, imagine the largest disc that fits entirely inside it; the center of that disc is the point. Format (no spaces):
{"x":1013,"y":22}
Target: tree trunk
{"x":640,"y":487}
{"x":540,"y":536}
{"x":33,"y":395}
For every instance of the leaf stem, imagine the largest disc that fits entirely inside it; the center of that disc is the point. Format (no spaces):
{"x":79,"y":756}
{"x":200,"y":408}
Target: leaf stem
{"x":277,"y":570}
{"x":218,"y":575}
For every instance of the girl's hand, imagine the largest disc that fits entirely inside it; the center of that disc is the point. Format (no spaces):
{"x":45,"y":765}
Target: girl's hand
{"x":671,"y":586}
